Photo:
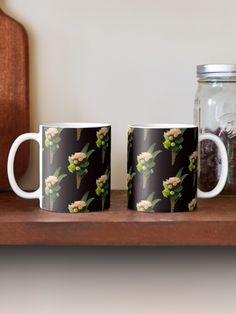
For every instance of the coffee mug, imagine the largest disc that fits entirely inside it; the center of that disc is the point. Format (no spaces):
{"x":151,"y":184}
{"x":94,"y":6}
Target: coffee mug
{"x":74,"y":166}
{"x":162,"y":167}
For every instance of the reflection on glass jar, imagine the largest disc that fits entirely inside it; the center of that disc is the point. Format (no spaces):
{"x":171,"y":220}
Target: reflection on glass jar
{"x":215,"y":112}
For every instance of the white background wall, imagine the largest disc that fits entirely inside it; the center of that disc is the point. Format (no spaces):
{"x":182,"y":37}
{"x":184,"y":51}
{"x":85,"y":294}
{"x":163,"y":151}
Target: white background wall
{"x":119,"y":62}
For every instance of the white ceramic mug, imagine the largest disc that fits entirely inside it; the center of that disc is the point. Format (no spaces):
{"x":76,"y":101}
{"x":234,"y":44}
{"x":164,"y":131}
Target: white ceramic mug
{"x":162,"y":167}
{"x":74,"y":166}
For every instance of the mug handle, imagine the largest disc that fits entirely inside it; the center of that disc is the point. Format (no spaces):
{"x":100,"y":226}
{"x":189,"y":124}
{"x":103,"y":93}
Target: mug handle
{"x":224,"y":166}
{"x":10,"y":165}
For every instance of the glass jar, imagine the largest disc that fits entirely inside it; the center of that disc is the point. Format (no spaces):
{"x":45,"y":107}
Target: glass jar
{"x":215,"y":112}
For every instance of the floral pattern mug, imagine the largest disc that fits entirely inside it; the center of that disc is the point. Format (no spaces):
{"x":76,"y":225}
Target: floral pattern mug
{"x":74,"y":167}
{"x":162,"y":167}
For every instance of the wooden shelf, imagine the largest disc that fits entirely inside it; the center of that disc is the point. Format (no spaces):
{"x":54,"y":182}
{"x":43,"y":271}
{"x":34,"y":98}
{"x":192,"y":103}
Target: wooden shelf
{"x":23,"y":222}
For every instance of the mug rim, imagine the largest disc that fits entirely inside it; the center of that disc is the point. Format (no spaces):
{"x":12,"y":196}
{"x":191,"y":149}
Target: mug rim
{"x":161,"y":126}
{"x":76,"y":125}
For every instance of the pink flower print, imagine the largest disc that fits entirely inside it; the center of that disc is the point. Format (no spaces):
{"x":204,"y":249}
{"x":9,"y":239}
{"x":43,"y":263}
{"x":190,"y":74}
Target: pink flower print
{"x":77,"y":206}
{"x":52,"y":186}
{"x":130,"y":131}
{"x":103,"y":179}
{"x":193,"y":156}
{"x":51,"y":132}
{"x":192,"y":205}
{"x":79,"y":156}
{"x":174,"y":132}
{"x":193,"y":165}
{"x":143,"y":205}
{"x":103,"y":141}
{"x":103,"y":132}
{"x":173,"y":141}
{"x":173,"y":187}
{"x":146,"y":163}
{"x":173,"y":181}
{"x":146,"y":156}
{"x":79,"y":163}
{"x":103,"y":186}
{"x":148,"y":204}
{"x":81,"y":205}
{"x":51,"y":180}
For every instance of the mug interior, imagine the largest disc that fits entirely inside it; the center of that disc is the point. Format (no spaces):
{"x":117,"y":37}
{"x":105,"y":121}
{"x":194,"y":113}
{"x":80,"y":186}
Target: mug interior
{"x":79,"y":125}
{"x":162,"y":126}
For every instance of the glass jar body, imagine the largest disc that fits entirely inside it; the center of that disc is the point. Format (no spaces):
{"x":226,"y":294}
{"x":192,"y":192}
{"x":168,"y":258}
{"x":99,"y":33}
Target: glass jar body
{"x":215,"y":112}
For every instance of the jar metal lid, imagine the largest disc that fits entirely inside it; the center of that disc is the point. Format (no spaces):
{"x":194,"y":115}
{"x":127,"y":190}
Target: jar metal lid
{"x":216,"y":70}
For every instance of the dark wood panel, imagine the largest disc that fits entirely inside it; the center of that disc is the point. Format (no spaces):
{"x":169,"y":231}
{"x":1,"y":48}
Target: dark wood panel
{"x":23,"y":222}
{"x":14,"y":94}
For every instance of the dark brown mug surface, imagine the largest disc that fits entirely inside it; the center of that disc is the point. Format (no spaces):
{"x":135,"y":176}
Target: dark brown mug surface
{"x":162,"y":168}
{"x":75,"y":165}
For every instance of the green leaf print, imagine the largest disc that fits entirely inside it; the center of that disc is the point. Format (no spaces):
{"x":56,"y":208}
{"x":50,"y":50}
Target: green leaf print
{"x":79,"y":163}
{"x":103,"y":186}
{"x":173,"y":187}
{"x":52,"y":187}
{"x":146,"y":163}
{"x":148,"y":204}
{"x":103,"y":141}
{"x":51,"y":141}
{"x":82,"y":205}
{"x":173,"y":140}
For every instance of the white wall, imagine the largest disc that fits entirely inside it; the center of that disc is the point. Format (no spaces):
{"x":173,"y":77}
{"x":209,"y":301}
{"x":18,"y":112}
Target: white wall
{"x":119,"y":62}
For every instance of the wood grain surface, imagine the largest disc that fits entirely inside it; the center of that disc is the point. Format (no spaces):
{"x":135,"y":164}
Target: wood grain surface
{"x":23,"y":222}
{"x":14,"y":94}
